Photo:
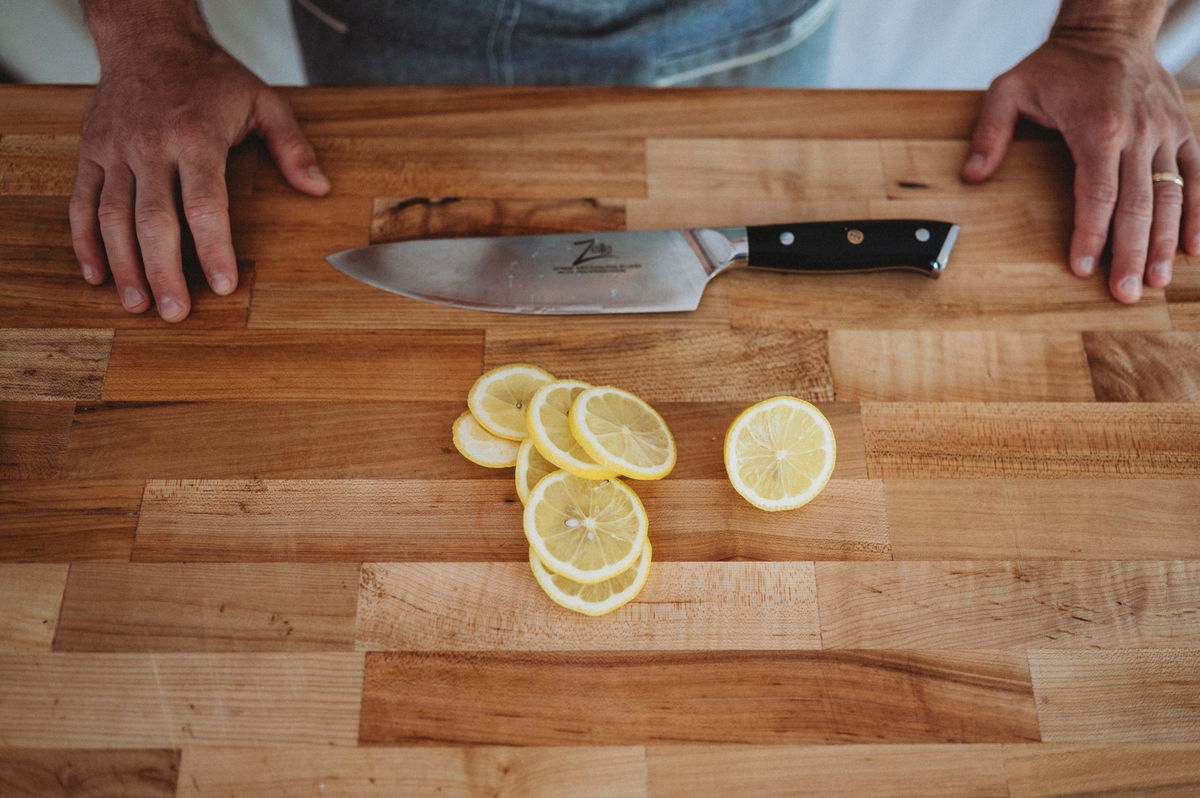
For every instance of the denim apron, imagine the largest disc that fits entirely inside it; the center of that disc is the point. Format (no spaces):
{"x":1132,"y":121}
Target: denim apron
{"x":565,"y":42}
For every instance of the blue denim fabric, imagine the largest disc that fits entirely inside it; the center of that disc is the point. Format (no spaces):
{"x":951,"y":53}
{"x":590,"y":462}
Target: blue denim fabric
{"x":565,"y":42}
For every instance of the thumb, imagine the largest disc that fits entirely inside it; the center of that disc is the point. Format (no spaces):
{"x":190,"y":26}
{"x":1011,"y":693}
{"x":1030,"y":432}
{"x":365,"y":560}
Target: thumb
{"x":993,"y":131}
{"x":290,"y":149}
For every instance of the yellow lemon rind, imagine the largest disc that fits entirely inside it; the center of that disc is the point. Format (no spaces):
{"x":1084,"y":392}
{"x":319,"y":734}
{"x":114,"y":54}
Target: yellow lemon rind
{"x":479,"y":388}
{"x":622,"y":467}
{"x":792,"y":503}
{"x":544,"y":577}
{"x":551,"y":450}
{"x":525,"y":454}
{"x":566,"y":569}
{"x":456,"y":434}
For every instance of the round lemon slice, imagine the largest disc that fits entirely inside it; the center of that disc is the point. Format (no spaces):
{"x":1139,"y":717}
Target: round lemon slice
{"x":780,"y":453}
{"x":623,"y":433}
{"x":583,"y":529}
{"x":550,"y":431}
{"x":600,"y":598}
{"x":498,"y":398}
{"x":480,"y":446}
{"x":531,"y":467}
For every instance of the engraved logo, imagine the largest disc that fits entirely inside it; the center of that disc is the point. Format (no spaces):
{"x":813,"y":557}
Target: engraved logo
{"x":592,"y":249}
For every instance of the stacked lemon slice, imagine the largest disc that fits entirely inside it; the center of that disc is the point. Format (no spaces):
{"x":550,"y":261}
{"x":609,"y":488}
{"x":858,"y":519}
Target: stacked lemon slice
{"x":571,"y":443}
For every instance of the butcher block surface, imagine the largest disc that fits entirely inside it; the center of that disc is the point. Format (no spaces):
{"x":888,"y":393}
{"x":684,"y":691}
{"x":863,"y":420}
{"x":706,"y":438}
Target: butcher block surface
{"x":240,"y":555}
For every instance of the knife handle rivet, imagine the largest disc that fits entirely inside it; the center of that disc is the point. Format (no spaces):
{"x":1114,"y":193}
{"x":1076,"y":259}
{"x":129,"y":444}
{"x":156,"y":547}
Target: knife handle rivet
{"x":787,"y":238}
{"x":854,"y":235}
{"x":922,"y":234}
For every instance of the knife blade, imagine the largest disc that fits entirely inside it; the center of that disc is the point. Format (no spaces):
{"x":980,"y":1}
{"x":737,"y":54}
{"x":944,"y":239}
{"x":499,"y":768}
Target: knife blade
{"x":644,"y":271}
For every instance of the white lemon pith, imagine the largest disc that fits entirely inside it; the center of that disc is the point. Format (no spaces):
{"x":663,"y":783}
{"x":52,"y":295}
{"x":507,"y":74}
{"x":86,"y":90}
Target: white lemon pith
{"x":595,"y":599}
{"x":480,"y":446}
{"x":550,"y":429}
{"x":585,"y":530}
{"x":623,"y":433}
{"x":531,"y":467}
{"x":780,"y":453}
{"x":498,"y":398}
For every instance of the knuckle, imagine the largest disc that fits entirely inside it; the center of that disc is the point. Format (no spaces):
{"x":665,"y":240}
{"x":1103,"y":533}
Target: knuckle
{"x":207,"y":209}
{"x":1107,"y":125}
{"x":112,"y":214}
{"x":1099,"y":192}
{"x":154,"y":217}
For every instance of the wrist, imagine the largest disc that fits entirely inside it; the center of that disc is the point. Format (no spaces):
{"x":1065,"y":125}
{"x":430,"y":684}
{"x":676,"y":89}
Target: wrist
{"x":1120,"y":24}
{"x":137,"y":29}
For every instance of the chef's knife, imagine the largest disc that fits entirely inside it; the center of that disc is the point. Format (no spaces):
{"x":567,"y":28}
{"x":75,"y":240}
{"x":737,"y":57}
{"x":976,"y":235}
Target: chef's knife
{"x":636,"y":271}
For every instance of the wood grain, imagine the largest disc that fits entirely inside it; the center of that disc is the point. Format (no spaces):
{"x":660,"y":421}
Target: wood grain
{"x":267,"y":439}
{"x":576,"y":110}
{"x":677,"y":365}
{"x":1009,"y":605}
{"x":404,"y":218}
{"x":554,"y":698}
{"x":763,"y":168}
{"x":479,"y":520}
{"x":1041,"y":771}
{"x":33,"y":438}
{"x":280,"y":365}
{"x":307,"y":294}
{"x":920,"y":168}
{"x":1139,"y":696}
{"x":1028,"y":296}
{"x":288,"y":225}
{"x":766,"y":771}
{"x":44,"y":288}
{"x":131,"y":773}
{"x":530,"y":166}
{"x":1144,"y":366}
{"x":1043,"y":519}
{"x":53,"y":365}
{"x":30,"y":596}
{"x":454,"y":772}
{"x":201,"y":607}
{"x":348,"y":440}
{"x":68,"y":521}
{"x":939,"y":366}
{"x":499,"y":607}
{"x":84,"y":700}
{"x":1031,"y":440}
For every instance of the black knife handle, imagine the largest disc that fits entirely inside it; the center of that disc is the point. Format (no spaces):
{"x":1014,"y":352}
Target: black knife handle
{"x":854,"y":246}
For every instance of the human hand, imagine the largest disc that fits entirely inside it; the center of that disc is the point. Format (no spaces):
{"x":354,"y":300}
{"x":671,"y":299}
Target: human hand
{"x":1123,"y":119}
{"x":167,"y":109}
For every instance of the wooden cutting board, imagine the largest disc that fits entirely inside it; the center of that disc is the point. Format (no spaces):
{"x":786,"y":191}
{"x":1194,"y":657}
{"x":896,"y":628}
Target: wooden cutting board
{"x":240,"y":555}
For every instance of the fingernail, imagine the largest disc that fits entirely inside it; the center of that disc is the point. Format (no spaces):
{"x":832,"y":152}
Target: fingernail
{"x":132,"y":297}
{"x":1085,"y":266}
{"x":169,"y":309}
{"x":89,"y":273}
{"x":1195,"y":245}
{"x":975,"y":162}
{"x":1161,"y":272}
{"x":1132,"y":287}
{"x":222,"y":284}
{"x":315,"y":173}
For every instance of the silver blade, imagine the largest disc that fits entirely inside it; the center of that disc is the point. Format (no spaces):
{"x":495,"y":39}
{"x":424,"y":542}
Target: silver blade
{"x":624,"y":272}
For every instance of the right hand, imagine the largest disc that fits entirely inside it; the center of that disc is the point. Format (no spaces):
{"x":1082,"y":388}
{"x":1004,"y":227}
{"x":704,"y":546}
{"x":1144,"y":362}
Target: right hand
{"x":162,"y":119}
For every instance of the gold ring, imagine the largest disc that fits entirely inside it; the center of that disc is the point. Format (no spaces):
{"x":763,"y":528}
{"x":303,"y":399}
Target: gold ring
{"x":1167,"y":177}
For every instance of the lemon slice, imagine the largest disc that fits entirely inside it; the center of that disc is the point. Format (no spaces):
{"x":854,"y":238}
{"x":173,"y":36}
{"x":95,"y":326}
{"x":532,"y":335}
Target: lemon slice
{"x":480,"y":446}
{"x":779,"y":453}
{"x":600,"y":598}
{"x":499,"y":397}
{"x":583,"y":529}
{"x":621,"y":432}
{"x":546,"y":418}
{"x":531,"y":467}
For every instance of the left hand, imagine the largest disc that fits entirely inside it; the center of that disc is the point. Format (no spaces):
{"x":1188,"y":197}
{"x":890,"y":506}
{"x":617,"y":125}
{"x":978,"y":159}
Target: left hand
{"x":1123,"y":118}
